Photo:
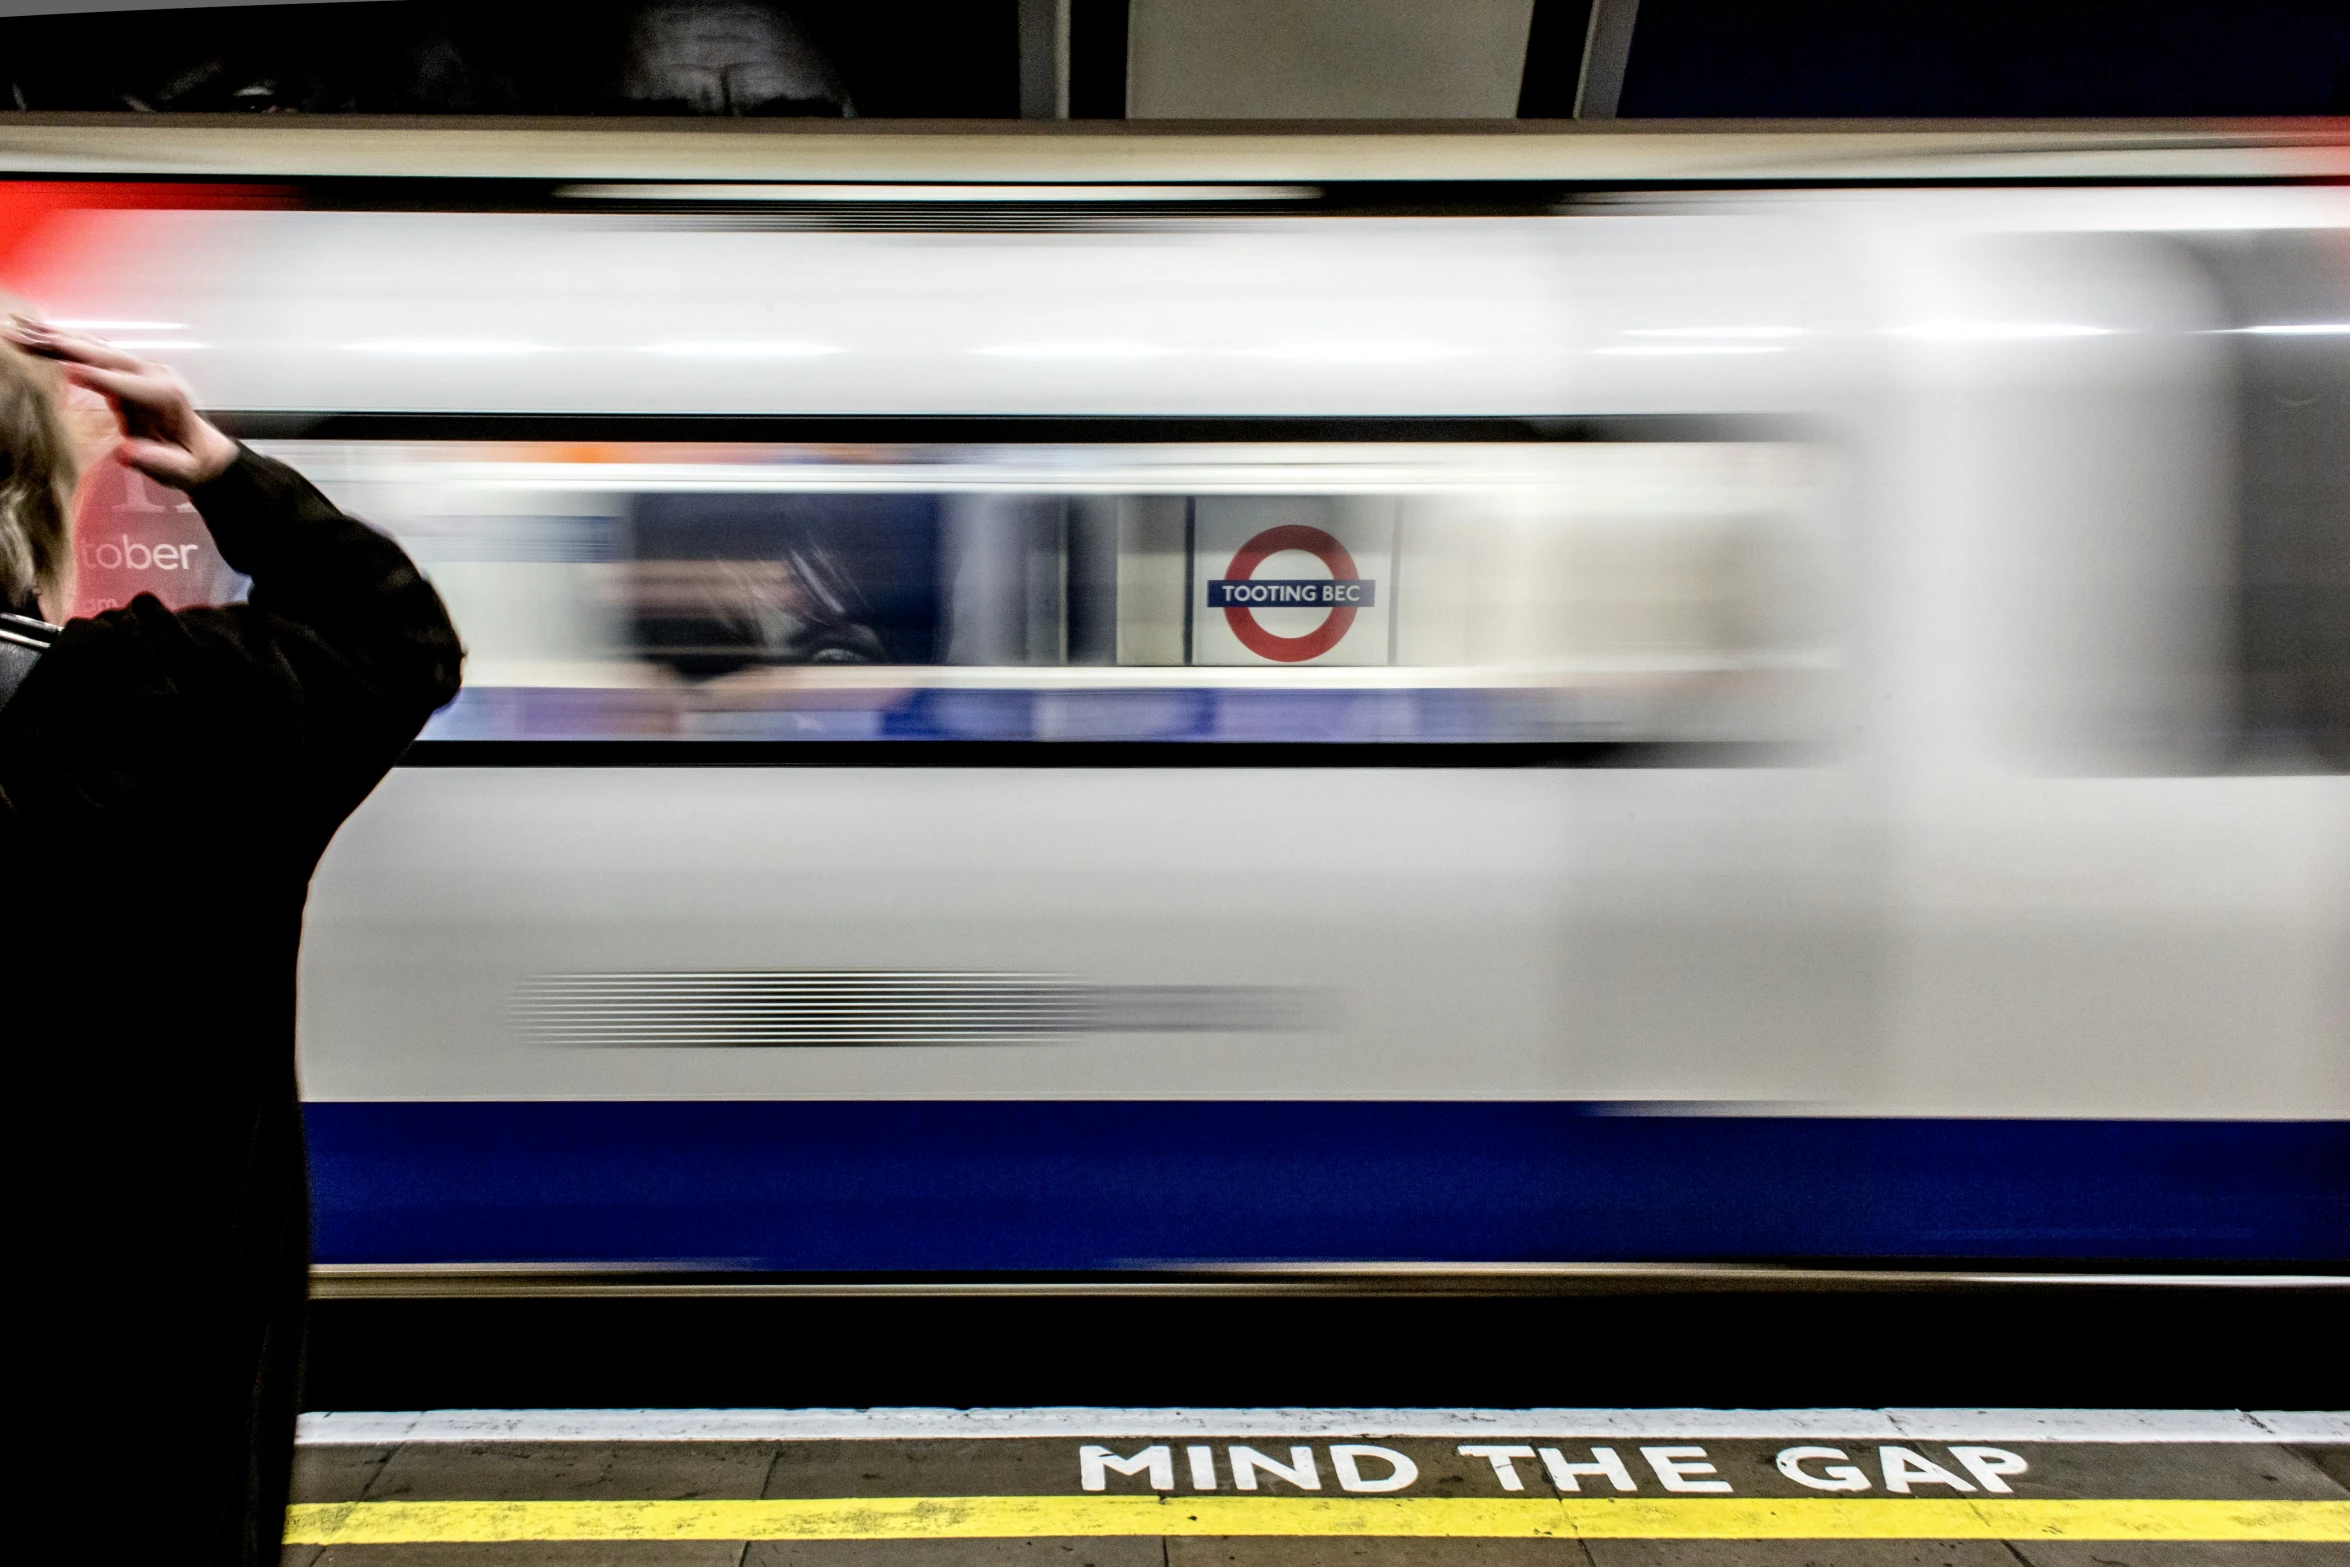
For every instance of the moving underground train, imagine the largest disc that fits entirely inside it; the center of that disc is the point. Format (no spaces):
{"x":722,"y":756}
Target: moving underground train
{"x":1209,"y":704}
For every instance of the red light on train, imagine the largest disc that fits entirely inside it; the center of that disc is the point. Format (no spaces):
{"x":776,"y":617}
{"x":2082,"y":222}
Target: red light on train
{"x":34,"y":214}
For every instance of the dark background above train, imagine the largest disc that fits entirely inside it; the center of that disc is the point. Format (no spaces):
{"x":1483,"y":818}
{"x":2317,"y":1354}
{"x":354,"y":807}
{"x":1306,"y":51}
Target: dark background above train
{"x":1956,"y":59}
{"x":955,"y":59}
{"x":980,"y":59}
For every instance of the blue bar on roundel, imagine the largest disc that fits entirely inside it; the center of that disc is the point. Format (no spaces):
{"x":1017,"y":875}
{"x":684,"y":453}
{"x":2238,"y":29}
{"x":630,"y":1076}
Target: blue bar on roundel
{"x":1271,"y":593}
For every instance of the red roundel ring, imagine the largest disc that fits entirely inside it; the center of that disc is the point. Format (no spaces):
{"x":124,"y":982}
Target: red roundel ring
{"x":1243,"y":621}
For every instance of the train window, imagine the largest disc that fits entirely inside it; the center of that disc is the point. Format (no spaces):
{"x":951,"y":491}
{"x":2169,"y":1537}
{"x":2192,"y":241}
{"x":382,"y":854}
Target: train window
{"x":2289,"y":332}
{"x":2162,"y":507}
{"x":1649,"y":592}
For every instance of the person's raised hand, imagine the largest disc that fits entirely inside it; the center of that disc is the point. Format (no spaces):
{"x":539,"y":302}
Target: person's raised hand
{"x":163,"y":436}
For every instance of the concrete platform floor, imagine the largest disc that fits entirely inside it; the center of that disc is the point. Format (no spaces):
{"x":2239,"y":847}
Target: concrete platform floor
{"x":1361,"y":1488}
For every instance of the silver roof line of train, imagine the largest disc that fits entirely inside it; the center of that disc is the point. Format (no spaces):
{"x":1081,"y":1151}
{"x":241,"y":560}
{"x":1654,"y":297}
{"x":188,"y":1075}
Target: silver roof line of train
{"x":1764,"y":152}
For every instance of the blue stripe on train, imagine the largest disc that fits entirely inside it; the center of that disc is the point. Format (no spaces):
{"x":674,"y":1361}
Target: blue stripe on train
{"x":970,"y":1186}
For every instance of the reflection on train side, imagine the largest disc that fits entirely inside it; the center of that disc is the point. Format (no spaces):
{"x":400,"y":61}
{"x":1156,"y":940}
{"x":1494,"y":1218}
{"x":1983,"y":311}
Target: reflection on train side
{"x":1628,"y":591}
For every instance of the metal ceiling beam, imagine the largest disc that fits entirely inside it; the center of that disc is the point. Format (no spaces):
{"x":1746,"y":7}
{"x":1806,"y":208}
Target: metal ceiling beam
{"x":1607,"y":49}
{"x":1044,"y":59}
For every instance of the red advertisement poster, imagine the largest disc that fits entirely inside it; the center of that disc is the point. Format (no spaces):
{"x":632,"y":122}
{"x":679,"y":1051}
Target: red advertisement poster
{"x":132,"y":536}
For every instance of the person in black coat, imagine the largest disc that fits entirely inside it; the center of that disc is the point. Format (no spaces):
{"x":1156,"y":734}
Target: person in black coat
{"x":167,"y":783}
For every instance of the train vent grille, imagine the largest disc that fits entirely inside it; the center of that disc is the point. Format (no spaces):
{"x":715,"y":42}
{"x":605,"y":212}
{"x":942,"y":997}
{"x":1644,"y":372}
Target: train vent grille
{"x":869,"y":1007}
{"x":884,"y":217}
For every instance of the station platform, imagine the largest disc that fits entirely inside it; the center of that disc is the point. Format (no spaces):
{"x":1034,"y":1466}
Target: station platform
{"x":1366,"y":1488}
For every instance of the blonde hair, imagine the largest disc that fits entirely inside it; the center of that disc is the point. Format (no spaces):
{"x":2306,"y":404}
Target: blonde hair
{"x":37,"y":473}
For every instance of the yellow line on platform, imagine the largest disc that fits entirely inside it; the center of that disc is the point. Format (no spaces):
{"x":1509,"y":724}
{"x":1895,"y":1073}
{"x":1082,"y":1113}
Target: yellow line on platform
{"x":1026,"y":1517}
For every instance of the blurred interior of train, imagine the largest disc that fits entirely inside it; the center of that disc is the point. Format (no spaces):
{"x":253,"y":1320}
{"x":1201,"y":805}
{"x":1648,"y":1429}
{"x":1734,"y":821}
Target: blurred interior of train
{"x":1156,"y":59}
{"x":1620,"y":591}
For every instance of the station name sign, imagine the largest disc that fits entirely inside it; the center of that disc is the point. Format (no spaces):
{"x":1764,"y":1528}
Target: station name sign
{"x":1307,"y":593}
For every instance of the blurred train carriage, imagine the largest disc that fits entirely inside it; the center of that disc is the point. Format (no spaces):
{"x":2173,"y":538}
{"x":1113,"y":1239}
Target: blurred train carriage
{"x":1065,"y":705}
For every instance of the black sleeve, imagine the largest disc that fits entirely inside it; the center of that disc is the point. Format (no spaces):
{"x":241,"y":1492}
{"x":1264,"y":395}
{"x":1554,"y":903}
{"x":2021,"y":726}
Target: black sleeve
{"x":286,"y":709}
{"x":325,"y":579}
{"x":342,"y":649}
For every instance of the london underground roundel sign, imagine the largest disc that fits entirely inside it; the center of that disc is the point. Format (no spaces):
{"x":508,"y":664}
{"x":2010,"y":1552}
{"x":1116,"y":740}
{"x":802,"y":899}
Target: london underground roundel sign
{"x":1240,"y":592}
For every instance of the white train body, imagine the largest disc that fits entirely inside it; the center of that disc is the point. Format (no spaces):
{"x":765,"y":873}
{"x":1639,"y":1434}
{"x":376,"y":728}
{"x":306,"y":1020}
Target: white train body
{"x":1822,"y":769}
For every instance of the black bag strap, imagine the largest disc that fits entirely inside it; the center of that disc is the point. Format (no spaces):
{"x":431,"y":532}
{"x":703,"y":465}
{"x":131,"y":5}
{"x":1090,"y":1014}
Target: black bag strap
{"x":22,"y":642}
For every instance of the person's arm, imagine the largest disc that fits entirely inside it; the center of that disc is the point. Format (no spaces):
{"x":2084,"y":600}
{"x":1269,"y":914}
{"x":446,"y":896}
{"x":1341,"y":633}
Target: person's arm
{"x":342,"y":649}
{"x":330,"y":582}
